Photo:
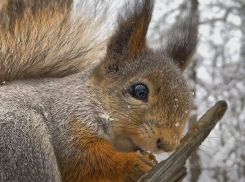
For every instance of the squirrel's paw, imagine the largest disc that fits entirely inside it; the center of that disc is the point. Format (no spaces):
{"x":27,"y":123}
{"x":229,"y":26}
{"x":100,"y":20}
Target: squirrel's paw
{"x":137,"y":164}
{"x":149,"y":158}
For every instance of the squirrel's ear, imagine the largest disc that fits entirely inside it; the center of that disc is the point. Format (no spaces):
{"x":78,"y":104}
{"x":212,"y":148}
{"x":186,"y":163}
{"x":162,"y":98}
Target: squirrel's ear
{"x":181,"y":42}
{"x":129,"y":39}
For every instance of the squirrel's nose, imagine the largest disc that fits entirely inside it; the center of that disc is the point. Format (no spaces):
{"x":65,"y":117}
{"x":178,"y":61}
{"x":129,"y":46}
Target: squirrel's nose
{"x":166,"y":146}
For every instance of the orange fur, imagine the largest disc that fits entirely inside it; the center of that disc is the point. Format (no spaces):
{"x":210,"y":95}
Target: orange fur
{"x":97,"y":160}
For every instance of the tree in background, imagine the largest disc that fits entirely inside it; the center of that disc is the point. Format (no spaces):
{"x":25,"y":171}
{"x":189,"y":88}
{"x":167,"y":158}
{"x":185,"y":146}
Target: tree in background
{"x":217,"y":72}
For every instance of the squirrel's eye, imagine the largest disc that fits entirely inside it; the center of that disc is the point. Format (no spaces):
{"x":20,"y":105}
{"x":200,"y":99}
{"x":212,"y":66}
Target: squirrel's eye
{"x":139,"y":91}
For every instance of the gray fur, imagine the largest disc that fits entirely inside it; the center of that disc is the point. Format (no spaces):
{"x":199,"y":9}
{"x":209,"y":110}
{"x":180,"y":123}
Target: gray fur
{"x":32,"y":125}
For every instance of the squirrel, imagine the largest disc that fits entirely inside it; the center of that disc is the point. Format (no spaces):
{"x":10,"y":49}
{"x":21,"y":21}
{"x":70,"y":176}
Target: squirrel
{"x":65,"y":118}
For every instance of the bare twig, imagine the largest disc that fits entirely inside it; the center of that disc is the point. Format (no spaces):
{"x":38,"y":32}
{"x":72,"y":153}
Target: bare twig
{"x":173,"y":169}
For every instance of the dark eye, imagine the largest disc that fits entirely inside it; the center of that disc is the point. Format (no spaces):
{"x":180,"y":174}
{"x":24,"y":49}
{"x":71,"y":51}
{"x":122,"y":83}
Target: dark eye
{"x":139,"y":91}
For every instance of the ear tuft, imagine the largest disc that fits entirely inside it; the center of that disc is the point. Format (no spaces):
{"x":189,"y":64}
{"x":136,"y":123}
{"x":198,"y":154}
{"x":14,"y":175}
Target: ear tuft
{"x":181,"y":42}
{"x":129,"y":39}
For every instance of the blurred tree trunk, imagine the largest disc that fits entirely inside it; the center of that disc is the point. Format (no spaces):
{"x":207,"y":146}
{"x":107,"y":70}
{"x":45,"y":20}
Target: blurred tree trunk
{"x":195,"y":168}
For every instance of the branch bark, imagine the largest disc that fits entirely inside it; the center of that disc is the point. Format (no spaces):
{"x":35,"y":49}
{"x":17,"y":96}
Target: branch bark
{"x":173,"y":169}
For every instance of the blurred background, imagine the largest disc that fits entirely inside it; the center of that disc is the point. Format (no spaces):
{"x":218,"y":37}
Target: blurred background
{"x":217,"y":72}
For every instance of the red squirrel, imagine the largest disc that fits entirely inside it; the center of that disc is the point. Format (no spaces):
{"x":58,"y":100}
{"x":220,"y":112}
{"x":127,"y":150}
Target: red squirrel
{"x":64,"y":120}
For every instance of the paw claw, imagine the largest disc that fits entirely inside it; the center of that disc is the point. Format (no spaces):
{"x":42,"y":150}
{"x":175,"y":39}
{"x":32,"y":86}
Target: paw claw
{"x":148,"y":157}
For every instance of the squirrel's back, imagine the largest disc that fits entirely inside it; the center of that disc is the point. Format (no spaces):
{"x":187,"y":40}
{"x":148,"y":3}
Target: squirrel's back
{"x":47,"y":41}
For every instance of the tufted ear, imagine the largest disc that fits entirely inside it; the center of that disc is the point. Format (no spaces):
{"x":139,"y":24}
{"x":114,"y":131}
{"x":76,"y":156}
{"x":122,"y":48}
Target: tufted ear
{"x":129,"y":39}
{"x":181,"y":42}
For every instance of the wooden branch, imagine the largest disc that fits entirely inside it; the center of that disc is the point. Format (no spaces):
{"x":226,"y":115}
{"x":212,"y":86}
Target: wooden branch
{"x":173,"y":169}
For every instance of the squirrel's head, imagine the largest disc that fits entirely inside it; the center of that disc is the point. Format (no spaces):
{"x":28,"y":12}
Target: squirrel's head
{"x":144,"y":90}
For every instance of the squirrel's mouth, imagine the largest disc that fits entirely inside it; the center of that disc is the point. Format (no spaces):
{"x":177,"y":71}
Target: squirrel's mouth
{"x":124,"y":143}
{"x":137,"y":148}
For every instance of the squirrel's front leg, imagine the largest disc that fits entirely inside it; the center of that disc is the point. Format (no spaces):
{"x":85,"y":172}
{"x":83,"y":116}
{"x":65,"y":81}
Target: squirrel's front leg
{"x":97,"y":160}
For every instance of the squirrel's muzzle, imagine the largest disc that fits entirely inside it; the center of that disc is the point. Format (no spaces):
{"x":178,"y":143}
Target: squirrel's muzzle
{"x":166,"y":146}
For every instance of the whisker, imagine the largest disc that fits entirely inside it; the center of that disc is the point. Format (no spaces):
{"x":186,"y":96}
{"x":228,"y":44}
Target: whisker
{"x":123,"y":122}
{"x":235,"y":143}
{"x":140,"y":117}
{"x":201,"y":165}
{"x":141,"y":139}
{"x":226,"y":138}
{"x":209,"y":168}
{"x":136,"y":122}
{"x":143,"y":119}
{"x":134,"y":119}
{"x":212,"y":157}
{"x":213,"y":149}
